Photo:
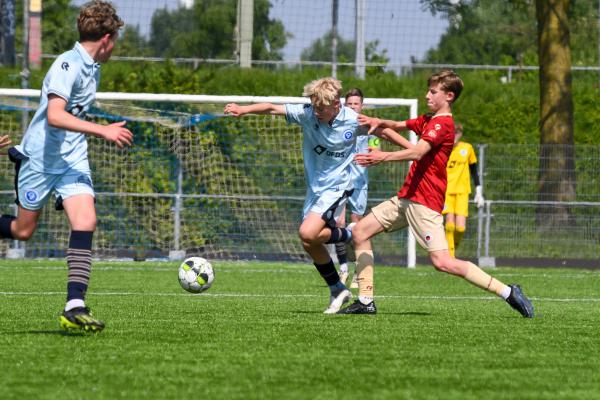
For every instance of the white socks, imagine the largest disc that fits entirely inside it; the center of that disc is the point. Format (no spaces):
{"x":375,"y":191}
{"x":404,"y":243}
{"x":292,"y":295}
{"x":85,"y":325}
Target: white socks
{"x":505,"y":292}
{"x":74,"y":303}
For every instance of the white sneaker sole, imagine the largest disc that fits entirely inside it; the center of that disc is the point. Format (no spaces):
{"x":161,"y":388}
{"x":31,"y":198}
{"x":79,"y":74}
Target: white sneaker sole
{"x":336,"y":304}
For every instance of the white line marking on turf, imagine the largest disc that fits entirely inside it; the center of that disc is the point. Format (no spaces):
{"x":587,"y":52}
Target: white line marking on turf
{"x":163,"y":269}
{"x":300,"y":269}
{"x":276,"y":296}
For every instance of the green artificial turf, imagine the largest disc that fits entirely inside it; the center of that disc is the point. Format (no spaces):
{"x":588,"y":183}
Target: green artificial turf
{"x":259,"y":333}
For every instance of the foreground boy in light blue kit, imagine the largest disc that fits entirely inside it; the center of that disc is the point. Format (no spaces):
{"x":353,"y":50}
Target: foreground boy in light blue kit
{"x":53,"y":154}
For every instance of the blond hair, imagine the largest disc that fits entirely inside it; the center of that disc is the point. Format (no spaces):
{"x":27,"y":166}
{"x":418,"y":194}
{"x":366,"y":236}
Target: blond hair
{"x":96,"y":19}
{"x":323,"y":92}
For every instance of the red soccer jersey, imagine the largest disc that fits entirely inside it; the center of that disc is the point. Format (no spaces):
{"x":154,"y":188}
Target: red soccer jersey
{"x":426,"y":180}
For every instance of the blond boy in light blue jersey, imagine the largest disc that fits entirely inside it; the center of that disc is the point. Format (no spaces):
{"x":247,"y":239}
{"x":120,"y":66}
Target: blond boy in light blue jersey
{"x":329,"y":139}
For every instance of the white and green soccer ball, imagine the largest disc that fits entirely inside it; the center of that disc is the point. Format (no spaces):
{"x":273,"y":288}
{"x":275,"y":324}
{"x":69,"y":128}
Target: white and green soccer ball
{"x":196,"y":274}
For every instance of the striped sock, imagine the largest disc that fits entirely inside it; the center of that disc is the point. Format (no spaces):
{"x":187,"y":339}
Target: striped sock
{"x":339,"y":235}
{"x":79,"y":261}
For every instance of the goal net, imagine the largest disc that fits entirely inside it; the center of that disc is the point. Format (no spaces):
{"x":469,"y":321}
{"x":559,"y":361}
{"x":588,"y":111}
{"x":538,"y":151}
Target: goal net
{"x":195,"y":181}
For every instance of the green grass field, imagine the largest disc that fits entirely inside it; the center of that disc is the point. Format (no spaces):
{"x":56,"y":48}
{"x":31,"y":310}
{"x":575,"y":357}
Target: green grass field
{"x":259,"y":333}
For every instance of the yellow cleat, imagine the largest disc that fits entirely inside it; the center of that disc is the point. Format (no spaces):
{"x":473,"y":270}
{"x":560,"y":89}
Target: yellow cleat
{"x":80,"y":319}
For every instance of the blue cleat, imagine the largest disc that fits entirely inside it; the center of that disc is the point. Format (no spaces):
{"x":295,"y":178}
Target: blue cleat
{"x":519,"y":302}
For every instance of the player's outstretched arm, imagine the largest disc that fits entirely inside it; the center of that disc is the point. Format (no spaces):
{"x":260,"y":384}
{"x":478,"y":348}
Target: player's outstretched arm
{"x":375,"y":156}
{"x":375,"y":123}
{"x":258,"y":108}
{"x":393,"y":137}
{"x":58,"y":117}
{"x":4,"y":141}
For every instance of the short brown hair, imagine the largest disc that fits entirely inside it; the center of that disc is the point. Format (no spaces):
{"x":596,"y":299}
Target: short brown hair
{"x":449,"y":80}
{"x":355,"y":92}
{"x":96,"y":19}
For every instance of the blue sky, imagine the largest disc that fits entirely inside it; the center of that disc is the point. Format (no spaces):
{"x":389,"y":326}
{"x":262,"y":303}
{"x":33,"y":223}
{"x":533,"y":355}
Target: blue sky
{"x":401,"y":26}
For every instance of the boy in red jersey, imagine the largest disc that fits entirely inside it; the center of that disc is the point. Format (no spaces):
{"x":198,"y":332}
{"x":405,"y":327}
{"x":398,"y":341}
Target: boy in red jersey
{"x":420,"y":201}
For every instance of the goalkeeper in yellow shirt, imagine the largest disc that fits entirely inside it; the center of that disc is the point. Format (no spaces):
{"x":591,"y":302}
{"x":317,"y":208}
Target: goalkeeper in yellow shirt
{"x":462,"y":165}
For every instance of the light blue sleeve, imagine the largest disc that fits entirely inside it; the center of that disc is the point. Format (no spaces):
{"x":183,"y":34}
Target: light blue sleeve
{"x":297,"y":113}
{"x":362,"y":130}
{"x":62,"y":77}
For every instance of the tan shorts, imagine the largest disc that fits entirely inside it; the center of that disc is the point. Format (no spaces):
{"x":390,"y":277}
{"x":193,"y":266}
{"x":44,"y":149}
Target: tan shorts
{"x":427,"y":225}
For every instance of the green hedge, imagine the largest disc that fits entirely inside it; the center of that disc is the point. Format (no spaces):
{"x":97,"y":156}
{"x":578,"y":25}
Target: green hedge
{"x":491,"y":111}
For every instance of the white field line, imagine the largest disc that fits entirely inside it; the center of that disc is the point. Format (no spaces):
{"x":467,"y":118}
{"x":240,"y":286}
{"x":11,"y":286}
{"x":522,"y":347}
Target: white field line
{"x":284,"y":296}
{"x":303,"y":270}
{"x":163,"y":269}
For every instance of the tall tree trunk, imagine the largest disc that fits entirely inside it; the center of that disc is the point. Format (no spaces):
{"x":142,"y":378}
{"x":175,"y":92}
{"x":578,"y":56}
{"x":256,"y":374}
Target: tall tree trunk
{"x":557,"y":162}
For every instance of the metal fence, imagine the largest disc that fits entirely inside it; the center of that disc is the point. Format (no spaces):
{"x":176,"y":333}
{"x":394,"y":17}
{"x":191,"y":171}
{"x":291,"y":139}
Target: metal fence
{"x":510,"y":230}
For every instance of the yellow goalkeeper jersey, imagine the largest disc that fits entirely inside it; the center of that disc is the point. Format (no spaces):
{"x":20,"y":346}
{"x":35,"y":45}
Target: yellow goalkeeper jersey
{"x":459,"y":176}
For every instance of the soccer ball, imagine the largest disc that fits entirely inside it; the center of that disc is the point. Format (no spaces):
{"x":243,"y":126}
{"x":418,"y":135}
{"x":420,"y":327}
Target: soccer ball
{"x":196,"y":274}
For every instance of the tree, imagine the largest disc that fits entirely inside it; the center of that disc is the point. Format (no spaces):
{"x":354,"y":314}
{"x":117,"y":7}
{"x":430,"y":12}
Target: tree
{"x":500,"y":32}
{"x":484,"y":32}
{"x":59,"y":26}
{"x":132,"y":43}
{"x":270,"y":36}
{"x":208,"y":31}
{"x":488,"y":31}
{"x":557,"y":162}
{"x":320,"y":50}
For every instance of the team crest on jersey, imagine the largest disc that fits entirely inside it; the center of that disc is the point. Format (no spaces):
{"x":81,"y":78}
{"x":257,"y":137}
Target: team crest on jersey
{"x":31,"y":195}
{"x":437,"y":127}
{"x":348,"y":135}
{"x":432,"y":133}
{"x":463,"y":152}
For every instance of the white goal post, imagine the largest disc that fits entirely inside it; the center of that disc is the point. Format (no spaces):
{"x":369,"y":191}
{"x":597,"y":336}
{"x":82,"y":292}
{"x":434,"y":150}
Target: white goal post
{"x":141,"y":101}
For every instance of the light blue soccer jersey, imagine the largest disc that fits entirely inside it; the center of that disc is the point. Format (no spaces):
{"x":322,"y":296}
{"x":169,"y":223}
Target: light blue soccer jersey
{"x":360,"y":174}
{"x":328,"y":150}
{"x":74,"y":76}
